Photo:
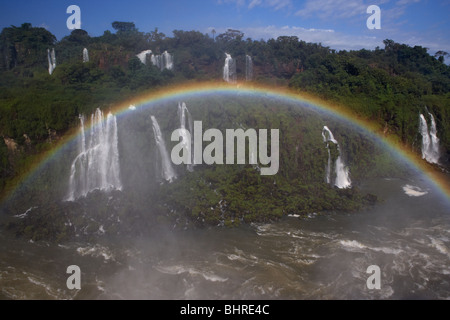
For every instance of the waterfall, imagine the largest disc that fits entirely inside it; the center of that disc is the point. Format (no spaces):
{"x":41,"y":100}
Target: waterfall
{"x":143,"y":56}
{"x":168,"y":173}
{"x":162,"y":61}
{"x":248,"y":68}
{"x":430,"y":141}
{"x":51,"y":60}
{"x":85,"y":55}
{"x":182,"y":111}
{"x":156,"y":61}
{"x":434,"y":139}
{"x":96,"y":167}
{"x":167,"y":60}
{"x":328,"y":168}
{"x":229,"y":69}
{"x":342,"y":180}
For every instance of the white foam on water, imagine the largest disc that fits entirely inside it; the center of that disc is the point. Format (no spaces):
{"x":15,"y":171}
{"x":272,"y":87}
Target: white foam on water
{"x":355,"y":245}
{"x":439,"y":246}
{"x":213,"y":277}
{"x":175,"y":270}
{"x":414,"y":191}
{"x":47,"y":288}
{"x":23,"y":215}
{"x":352,"y":244}
{"x":387,"y":250}
{"x":96,"y":252}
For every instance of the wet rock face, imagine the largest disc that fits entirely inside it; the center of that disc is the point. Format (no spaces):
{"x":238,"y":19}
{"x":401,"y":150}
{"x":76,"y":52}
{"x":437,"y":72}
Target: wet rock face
{"x":11,"y":144}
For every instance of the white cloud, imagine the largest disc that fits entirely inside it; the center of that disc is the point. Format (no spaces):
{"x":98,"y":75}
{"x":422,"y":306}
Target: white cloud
{"x":250,"y":4}
{"x":393,"y":17}
{"x":277,"y":4}
{"x":406,"y":2}
{"x":339,"y":9}
{"x":333,"y":8}
{"x":342,"y":41}
{"x":254,"y":3}
{"x":238,"y":3}
{"x":327,"y":37}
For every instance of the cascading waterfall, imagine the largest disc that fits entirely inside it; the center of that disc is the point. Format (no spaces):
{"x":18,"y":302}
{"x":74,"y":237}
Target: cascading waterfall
{"x":248,"y":68}
{"x":85,"y":55}
{"x":156,"y":61}
{"x":430,"y":141}
{"x":143,"y":56}
{"x":162,"y":61}
{"x":342,"y":180}
{"x":168,"y":172}
{"x":182,"y":111}
{"x":51,"y":60}
{"x":167,"y":60}
{"x":97,"y":165}
{"x":229,"y":69}
{"x":434,"y":139}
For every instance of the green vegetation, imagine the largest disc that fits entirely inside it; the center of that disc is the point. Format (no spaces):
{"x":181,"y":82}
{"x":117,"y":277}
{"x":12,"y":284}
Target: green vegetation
{"x":227,"y":195}
{"x":235,"y":194}
{"x":389,"y":86}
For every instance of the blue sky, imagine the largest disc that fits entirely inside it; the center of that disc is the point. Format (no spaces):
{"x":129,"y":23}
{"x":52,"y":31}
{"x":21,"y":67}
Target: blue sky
{"x":339,"y":24}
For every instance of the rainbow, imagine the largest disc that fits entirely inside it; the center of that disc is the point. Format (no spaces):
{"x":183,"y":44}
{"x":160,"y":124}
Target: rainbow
{"x":147,"y":100}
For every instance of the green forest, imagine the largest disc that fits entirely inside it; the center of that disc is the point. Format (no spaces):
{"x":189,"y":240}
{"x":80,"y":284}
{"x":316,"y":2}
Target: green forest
{"x":390,"y":85}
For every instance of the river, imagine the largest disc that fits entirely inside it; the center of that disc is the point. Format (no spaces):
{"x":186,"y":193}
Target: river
{"x":318,"y":256}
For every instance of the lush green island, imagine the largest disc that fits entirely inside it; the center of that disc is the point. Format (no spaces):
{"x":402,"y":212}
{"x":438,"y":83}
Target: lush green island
{"x":389,"y":87}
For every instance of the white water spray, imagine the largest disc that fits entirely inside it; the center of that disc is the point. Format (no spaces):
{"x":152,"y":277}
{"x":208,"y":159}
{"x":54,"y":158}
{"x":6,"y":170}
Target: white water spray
{"x":162,"y":61}
{"x":342,"y":179}
{"x":51,"y":60}
{"x":167,"y":59}
{"x":168,"y":173}
{"x":430,"y":141}
{"x":143,"y":56}
{"x":85,"y":55}
{"x":229,"y":69}
{"x":182,"y":111}
{"x":248,"y":68}
{"x":97,"y":165}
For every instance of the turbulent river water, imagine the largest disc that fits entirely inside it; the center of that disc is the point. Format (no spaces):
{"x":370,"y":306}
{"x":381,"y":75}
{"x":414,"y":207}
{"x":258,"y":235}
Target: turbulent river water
{"x":313,"y":257}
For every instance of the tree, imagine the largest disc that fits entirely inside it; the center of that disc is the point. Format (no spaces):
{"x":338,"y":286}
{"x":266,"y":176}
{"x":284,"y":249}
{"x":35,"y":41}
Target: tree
{"x":441,"y":55}
{"x":155,"y":37}
{"x":231,"y":35}
{"x":24,"y":46}
{"x":124,"y":26}
{"x":78,"y":36}
{"x":388,"y":44}
{"x":129,"y":37}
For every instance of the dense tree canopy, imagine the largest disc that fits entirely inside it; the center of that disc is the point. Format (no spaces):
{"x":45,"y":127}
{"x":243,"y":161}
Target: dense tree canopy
{"x":389,"y":86}
{"x":24,"y":46}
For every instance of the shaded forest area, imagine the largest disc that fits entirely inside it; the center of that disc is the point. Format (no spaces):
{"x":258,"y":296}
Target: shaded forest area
{"x":390,"y":86}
